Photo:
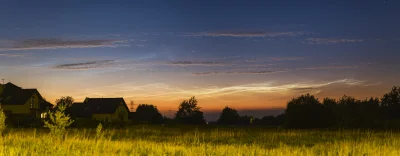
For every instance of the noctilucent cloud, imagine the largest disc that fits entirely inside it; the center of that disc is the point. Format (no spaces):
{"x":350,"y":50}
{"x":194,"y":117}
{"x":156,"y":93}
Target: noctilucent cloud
{"x":253,"y":56}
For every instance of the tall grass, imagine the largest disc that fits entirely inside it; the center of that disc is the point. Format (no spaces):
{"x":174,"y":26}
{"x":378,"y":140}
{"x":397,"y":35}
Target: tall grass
{"x":154,"y":140}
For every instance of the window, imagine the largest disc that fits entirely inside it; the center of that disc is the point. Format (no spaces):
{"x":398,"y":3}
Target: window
{"x":33,"y":104}
{"x":43,"y":115}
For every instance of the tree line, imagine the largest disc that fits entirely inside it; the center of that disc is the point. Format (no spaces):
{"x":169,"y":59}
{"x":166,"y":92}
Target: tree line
{"x":189,"y":113}
{"x":305,"y":111}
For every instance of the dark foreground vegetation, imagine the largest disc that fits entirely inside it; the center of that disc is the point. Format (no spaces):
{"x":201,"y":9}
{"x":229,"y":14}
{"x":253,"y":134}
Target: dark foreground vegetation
{"x":203,"y":140}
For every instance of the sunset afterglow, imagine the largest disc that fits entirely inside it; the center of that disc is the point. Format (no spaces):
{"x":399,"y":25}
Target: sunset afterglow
{"x":251,"y":56}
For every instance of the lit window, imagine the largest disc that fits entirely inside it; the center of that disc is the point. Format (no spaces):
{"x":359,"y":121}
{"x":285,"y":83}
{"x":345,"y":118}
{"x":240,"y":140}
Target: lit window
{"x":43,"y":115}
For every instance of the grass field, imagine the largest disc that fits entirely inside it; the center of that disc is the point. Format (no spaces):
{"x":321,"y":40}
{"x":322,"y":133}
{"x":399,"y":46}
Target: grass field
{"x":158,"y":140}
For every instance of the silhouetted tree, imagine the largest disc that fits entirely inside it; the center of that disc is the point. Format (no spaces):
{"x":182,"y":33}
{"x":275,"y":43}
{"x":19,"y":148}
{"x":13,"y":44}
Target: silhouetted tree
{"x":266,"y":120}
{"x":246,"y":120}
{"x":280,"y":119}
{"x":169,"y":120}
{"x":148,"y":114}
{"x":66,"y":101}
{"x":228,"y":116}
{"x":391,"y":104}
{"x":189,"y":113}
{"x":330,"y":112}
{"x":348,"y":112}
{"x":304,"y":112}
{"x":370,"y":114}
{"x":353,"y":113}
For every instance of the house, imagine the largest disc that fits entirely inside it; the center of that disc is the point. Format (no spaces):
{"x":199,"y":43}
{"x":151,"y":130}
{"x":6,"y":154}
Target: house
{"x":18,"y":102}
{"x":102,"y":109}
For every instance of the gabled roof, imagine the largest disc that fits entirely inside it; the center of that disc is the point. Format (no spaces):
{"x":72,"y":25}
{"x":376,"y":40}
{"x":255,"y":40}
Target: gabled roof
{"x":103,"y":105}
{"x":96,"y":106}
{"x":45,"y":104}
{"x":14,"y":95}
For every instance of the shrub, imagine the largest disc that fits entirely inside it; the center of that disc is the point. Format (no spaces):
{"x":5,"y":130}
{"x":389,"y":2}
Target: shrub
{"x":99,"y":131}
{"x":2,"y":121}
{"x":58,"y":121}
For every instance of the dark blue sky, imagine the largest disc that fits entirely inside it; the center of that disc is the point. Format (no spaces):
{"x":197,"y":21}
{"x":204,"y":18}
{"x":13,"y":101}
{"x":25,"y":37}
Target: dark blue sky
{"x":343,"y":17}
{"x":224,"y":52}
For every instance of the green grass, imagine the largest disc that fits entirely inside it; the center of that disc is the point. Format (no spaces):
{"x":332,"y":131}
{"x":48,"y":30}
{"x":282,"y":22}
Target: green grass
{"x":186,"y":140}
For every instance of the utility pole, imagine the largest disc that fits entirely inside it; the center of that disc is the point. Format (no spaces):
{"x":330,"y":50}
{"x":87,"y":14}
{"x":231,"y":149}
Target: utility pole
{"x":132,"y":105}
{"x":3,"y":80}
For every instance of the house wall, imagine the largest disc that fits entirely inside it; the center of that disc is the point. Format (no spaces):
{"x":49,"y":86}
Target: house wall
{"x":24,"y":109}
{"x":121,"y":109}
{"x":113,"y":117}
{"x":102,"y":117}
{"x":1,"y":88}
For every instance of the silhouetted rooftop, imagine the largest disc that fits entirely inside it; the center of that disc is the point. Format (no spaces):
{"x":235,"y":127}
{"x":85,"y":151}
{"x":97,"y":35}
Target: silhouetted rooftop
{"x":96,"y":106}
{"x":14,"y":95}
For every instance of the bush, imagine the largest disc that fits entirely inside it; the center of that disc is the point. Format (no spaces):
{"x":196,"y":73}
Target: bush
{"x":58,"y":121}
{"x":99,"y":131}
{"x":2,"y":121}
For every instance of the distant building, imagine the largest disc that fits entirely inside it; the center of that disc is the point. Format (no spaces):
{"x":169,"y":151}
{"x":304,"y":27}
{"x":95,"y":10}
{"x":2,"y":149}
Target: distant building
{"x":101,"y":109}
{"x":22,"y":103}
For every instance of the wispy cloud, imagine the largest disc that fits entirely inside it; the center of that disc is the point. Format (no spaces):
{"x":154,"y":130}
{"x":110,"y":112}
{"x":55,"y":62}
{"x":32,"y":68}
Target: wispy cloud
{"x":12,"y":55}
{"x":5,"y":42}
{"x":237,"y":72}
{"x":286,"y":58}
{"x":272,"y":59}
{"x":195,"y":63}
{"x":276,"y":70}
{"x":254,"y":65}
{"x":86,"y":65}
{"x":330,"y":40}
{"x":168,"y":92}
{"x":328,"y":67}
{"x":226,"y":57}
{"x":247,"y":34}
{"x":53,"y":43}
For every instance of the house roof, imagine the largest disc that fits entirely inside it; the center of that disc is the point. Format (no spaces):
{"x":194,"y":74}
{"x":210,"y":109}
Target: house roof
{"x":103,"y":105}
{"x":78,"y":110}
{"x":14,"y":95}
{"x":45,"y":104}
{"x":96,"y":106}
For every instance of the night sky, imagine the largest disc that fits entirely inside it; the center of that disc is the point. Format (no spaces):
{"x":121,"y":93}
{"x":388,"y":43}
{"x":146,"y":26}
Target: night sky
{"x":250,"y":55}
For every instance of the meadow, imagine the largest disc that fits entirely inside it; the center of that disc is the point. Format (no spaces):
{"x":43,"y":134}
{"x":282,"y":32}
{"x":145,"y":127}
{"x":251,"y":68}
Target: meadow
{"x":192,"y":140}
